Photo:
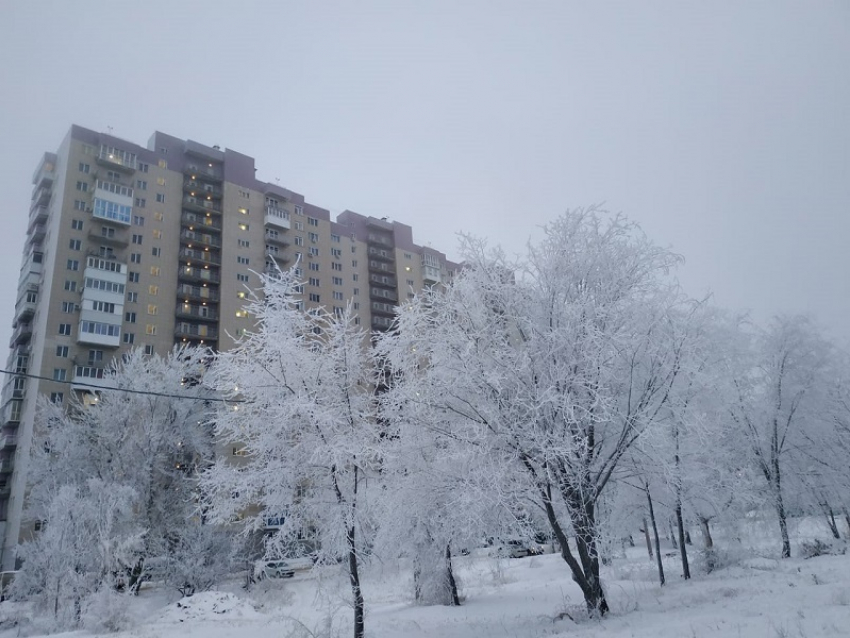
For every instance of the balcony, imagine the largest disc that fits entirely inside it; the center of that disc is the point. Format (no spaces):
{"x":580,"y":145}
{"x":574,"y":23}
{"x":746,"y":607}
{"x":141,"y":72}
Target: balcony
{"x":382,"y":254}
{"x":377,"y":266}
{"x":206,"y":173}
{"x":277,"y":217}
{"x":197,"y":313}
{"x":206,"y":257}
{"x":199,"y":189}
{"x":187,"y":293}
{"x":382,"y":308}
{"x":8,"y":440}
{"x":383,"y":280}
{"x":44,"y":174}
{"x":191,"y":237}
{"x":275,"y":237}
{"x":38,"y":215}
{"x":7,"y":464}
{"x":380,"y":239}
{"x":193,"y":331}
{"x":383,"y":293}
{"x":37,"y":232}
{"x":21,"y":335}
{"x":24,"y":310}
{"x":431,"y":274}
{"x":88,"y":378}
{"x":188,"y":273}
{"x":200,"y":222}
{"x":118,"y":237}
{"x":382,"y":323}
{"x":115,"y":159}
{"x":201,"y":205}
{"x":40,"y":196}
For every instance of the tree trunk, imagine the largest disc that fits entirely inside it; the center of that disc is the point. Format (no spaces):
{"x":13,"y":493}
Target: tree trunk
{"x":780,"y":511}
{"x":451,"y":577}
{"x":645,"y":531}
{"x":833,"y":526}
{"x":594,"y":596}
{"x":354,"y":578}
{"x":686,"y":569}
{"x":847,"y":521}
{"x":657,"y":539}
{"x":688,"y":537}
{"x":706,"y":532}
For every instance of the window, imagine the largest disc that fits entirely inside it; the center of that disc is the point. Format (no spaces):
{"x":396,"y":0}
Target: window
{"x":62,"y":351}
{"x":243,"y":226}
{"x":79,"y":204}
{"x":312,"y":221}
{"x":77,"y":224}
{"x":73,"y":264}
{"x":299,"y":241}
{"x":160,"y":197}
{"x":100,"y":328}
{"x":299,"y":225}
{"x":354,"y":249}
{"x":313,"y":281}
{"x":56,"y":397}
{"x":138,"y":220}
{"x":299,"y":272}
{"x":129,"y":337}
{"x":160,"y":181}
{"x":336,"y":252}
{"x":337,"y":311}
{"x":243,"y":243}
{"x":149,"y":350}
{"x":336,"y":266}
{"x":157,"y":234}
{"x":135,"y":258}
{"x":314,"y":297}
{"x":162,"y":163}
{"x":244,"y":194}
{"x":153,"y":291}
{"x":150,"y":329}
{"x":357,"y":291}
{"x":95,"y":356}
{"x":84,"y":168}
{"x":144,"y":167}
{"x":356,"y":305}
{"x":137,"y":239}
{"x":299,"y":210}
{"x":153,"y":309}
{"x":82,"y":187}
{"x":59,"y":374}
{"x":155,"y":271}
{"x":314,"y":266}
{"x":130,"y":317}
{"x":410,"y":282}
{"x":156,"y":251}
{"x":335,"y":238}
{"x":408,"y":256}
{"x":313,"y":251}
{"x":67,"y":306}
{"x":70,"y":285}
{"x":243,"y":210}
{"x":157,"y":216}
{"x":141,"y":202}
{"x":65,"y":329}
{"x":141,"y":184}
{"x":132,"y":297}
{"x":113,"y":176}
{"x":354,"y":263}
{"x":242,"y":260}
{"x":355,"y":277}
{"x":314,"y":238}
{"x":75,"y":244}
{"x":133,"y":277}
{"x":107,"y":231}
{"x":337,"y":295}
{"x":337,"y":281}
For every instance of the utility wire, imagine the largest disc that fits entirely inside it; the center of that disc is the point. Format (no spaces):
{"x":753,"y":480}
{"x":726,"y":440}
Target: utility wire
{"x":100,"y":388}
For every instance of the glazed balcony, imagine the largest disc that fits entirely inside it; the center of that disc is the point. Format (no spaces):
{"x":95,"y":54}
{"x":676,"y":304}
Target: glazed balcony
{"x":115,"y":159}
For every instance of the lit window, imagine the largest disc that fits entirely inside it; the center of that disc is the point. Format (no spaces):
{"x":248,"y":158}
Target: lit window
{"x":152,"y":309}
{"x":150,"y":329}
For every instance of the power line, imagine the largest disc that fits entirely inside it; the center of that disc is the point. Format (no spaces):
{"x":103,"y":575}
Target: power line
{"x":100,"y":388}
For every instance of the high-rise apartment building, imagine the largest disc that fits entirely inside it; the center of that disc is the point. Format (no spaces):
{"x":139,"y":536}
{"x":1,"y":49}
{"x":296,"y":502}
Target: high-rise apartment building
{"x":130,"y":246}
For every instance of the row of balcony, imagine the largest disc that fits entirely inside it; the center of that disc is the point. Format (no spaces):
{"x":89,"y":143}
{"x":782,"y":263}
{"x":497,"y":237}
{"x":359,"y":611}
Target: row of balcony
{"x":201,"y":205}
{"x":200,"y":222}
{"x":187,"y":292}
{"x":204,"y":256}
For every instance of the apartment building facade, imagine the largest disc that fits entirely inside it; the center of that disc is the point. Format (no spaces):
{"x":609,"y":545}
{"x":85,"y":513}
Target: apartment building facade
{"x":151,"y":246}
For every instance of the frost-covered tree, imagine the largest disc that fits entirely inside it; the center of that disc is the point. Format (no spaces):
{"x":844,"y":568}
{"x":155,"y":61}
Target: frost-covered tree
{"x":780,"y":393}
{"x":305,"y":419}
{"x":552,"y":367}
{"x":147,"y":433}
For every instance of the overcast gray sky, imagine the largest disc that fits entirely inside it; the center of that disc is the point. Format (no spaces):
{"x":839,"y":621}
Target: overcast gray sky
{"x":722,"y":128}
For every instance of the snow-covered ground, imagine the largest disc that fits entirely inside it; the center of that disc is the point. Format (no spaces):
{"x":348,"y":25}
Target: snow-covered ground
{"x":757,"y":596}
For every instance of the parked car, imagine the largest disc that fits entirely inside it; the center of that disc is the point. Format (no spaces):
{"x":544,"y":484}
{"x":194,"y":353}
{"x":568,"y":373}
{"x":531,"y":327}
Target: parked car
{"x":273,"y":569}
{"x":518,"y":549}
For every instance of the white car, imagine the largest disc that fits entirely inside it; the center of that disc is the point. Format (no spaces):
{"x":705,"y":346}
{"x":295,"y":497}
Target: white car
{"x":273,"y":569}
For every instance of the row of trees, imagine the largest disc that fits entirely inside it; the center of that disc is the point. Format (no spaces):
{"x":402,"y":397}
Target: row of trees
{"x":529,"y":396}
